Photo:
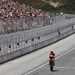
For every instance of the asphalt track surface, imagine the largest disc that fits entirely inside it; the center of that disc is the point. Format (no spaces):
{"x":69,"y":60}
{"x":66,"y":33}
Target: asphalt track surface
{"x":65,"y":65}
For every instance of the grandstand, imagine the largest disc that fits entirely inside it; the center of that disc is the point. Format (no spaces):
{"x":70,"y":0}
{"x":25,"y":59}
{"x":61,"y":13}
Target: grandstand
{"x":17,"y":17}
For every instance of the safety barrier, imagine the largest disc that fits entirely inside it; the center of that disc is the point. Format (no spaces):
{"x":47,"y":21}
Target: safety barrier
{"x":21,"y":43}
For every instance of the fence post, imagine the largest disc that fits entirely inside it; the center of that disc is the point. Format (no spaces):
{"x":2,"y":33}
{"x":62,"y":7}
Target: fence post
{"x":72,"y":27}
{"x":58,"y":32}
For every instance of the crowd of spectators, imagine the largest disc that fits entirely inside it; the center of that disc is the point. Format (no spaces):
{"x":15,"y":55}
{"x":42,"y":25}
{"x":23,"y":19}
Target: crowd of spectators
{"x":9,"y":8}
{"x":15,"y":16}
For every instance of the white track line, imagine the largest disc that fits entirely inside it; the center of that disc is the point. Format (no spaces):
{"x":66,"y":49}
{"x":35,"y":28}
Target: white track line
{"x":65,"y":67}
{"x":47,"y":63}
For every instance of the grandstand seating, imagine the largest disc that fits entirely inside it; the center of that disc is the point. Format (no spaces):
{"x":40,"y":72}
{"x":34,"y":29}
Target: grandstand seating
{"x":15,"y":16}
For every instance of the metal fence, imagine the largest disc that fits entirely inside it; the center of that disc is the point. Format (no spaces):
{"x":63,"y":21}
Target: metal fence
{"x":18,"y":45}
{"x":23,"y":23}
